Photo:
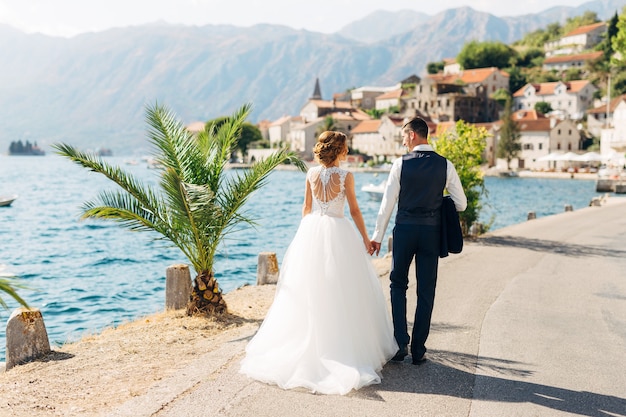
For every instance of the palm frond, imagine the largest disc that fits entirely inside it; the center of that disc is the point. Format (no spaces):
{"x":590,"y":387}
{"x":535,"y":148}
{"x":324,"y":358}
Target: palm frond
{"x":122,"y":207}
{"x":174,"y":143}
{"x":218,"y":143}
{"x":126,"y":181}
{"x":8,"y":284}
{"x":240,"y":187}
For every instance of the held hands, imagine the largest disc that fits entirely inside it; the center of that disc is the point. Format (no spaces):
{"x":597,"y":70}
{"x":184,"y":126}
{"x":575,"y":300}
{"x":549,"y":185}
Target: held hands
{"x":368,"y":246}
{"x":375,"y":248}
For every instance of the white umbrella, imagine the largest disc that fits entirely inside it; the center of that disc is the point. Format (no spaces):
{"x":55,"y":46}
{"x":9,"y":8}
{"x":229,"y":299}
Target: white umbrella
{"x":590,"y":156}
{"x":553,"y":156}
{"x":612,"y":156}
{"x":570,"y":156}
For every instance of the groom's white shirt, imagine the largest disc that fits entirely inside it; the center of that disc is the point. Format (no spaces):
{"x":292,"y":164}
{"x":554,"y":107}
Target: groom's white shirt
{"x":392,"y":191}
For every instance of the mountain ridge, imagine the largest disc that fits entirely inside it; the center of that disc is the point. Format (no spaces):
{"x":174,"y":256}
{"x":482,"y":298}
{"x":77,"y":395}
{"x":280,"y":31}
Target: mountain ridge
{"x":91,"y":90}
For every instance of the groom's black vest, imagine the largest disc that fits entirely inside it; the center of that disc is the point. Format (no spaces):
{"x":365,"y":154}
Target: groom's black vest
{"x":422,"y":181}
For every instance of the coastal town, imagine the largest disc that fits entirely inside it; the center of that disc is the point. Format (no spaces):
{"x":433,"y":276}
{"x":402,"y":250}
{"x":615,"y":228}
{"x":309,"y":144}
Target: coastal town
{"x":521,"y":314}
{"x":567,"y":124}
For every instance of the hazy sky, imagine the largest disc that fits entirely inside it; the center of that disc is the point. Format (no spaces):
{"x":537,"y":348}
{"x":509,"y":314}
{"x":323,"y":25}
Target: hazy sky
{"x":70,"y":17}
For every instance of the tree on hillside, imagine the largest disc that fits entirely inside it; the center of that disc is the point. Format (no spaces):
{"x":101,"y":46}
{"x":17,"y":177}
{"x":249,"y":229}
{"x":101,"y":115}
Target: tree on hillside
{"x":587,"y":18}
{"x":517,"y":78}
{"x":329,"y":124}
{"x":500,"y":96}
{"x":540,"y":36}
{"x":508,"y":146}
{"x":376,"y":113}
{"x":618,"y":84}
{"x":530,"y":57}
{"x":196,"y":205}
{"x":619,"y":40}
{"x":435,"y":67}
{"x":249,"y":134}
{"x":538,"y":75}
{"x":543,"y":107}
{"x":464,"y":147}
{"x":606,"y":45}
{"x":485,"y":54}
{"x":572,"y":74}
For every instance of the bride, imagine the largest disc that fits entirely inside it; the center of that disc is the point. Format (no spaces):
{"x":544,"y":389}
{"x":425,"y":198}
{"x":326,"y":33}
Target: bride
{"x":328,"y":329}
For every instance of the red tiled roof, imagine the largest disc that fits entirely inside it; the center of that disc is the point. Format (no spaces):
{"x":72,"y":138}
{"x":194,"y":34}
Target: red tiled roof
{"x":353,"y":115}
{"x":527,"y":115}
{"x":541,"y":125}
{"x":469,"y":76}
{"x":264,"y":124}
{"x":444,"y":127}
{"x":584,"y":29}
{"x":396,"y":119}
{"x":612,"y":105}
{"x":569,"y":58}
{"x":477,"y":75}
{"x":444,"y":79}
{"x":546,"y":89}
{"x":390,"y":94}
{"x":280,"y":121}
{"x":328,"y":104}
{"x":367,"y":126}
{"x":195,"y":126}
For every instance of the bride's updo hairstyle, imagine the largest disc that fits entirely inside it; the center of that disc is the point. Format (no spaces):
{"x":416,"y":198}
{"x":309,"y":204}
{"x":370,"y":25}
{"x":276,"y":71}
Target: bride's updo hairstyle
{"x":329,"y":146}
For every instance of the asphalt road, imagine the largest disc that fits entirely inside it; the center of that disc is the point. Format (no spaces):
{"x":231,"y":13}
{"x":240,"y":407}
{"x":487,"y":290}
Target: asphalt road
{"x":529,"y":320}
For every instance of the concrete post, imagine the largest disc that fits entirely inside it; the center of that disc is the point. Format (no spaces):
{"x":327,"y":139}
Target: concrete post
{"x":476,"y":229}
{"x":532,"y":215}
{"x":267,"y":271}
{"x":26,"y":335}
{"x":177,"y":286}
{"x":603,"y":184}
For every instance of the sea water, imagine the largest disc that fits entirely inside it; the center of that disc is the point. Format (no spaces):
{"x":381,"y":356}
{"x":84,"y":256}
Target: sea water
{"x":85,"y":275}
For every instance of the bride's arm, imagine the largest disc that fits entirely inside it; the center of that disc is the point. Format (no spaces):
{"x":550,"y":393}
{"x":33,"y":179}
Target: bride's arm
{"x":355,"y":211}
{"x":308,"y":199}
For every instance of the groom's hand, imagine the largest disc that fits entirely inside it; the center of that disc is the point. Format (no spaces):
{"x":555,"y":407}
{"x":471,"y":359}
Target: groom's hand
{"x":375,"y":247}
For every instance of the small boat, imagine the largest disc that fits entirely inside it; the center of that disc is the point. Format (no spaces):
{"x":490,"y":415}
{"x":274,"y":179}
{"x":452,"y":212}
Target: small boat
{"x":6,"y":200}
{"x":375,"y":191}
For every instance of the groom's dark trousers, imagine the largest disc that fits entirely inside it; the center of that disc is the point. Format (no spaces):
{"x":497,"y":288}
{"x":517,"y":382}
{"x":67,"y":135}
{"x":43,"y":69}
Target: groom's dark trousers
{"x":421,"y":242}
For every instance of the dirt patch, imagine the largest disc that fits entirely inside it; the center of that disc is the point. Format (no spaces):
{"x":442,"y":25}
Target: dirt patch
{"x":102,"y":371}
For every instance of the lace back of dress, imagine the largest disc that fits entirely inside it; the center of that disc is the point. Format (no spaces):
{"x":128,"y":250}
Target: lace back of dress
{"x":328,"y":189}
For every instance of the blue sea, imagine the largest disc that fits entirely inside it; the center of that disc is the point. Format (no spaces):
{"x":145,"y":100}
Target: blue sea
{"x":85,"y":275}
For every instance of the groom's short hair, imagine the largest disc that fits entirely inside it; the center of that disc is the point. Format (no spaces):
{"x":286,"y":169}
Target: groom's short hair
{"x":417,"y":125}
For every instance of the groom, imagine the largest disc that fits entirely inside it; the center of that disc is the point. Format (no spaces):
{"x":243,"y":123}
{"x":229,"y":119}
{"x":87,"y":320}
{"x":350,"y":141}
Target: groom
{"x":416,"y":183}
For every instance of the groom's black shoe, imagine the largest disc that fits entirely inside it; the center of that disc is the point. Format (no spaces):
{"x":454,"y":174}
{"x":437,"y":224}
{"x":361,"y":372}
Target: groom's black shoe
{"x":401,"y":354}
{"x":420,"y":360}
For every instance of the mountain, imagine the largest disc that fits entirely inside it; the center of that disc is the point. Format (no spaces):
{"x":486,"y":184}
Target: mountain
{"x":381,"y":25}
{"x":91,"y":90}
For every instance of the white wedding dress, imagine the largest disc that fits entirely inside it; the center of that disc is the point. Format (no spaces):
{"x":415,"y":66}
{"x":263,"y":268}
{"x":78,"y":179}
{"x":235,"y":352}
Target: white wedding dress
{"x":328,"y":329}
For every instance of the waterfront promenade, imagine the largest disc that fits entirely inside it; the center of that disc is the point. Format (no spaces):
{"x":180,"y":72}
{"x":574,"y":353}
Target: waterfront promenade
{"x":529,"y":320}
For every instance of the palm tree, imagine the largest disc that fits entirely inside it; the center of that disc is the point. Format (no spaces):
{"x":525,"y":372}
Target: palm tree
{"x":197,"y":205}
{"x":329,"y":124}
